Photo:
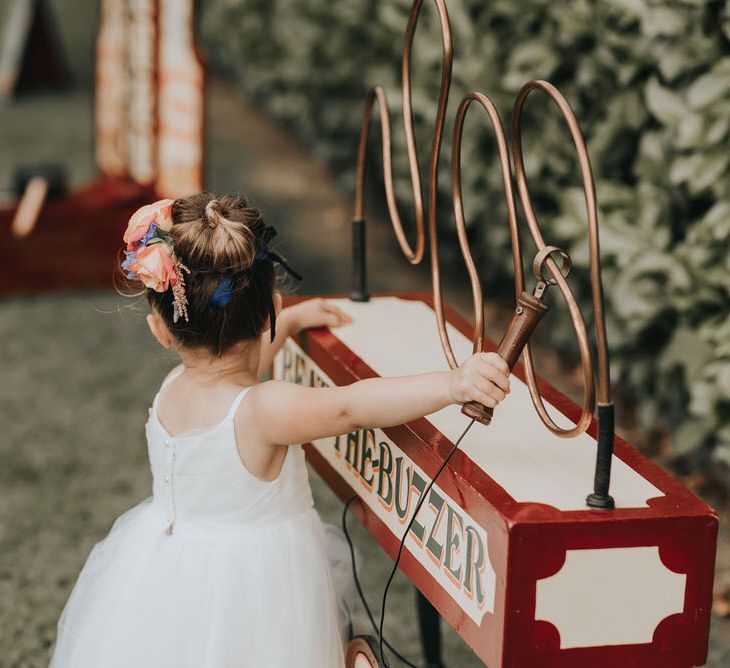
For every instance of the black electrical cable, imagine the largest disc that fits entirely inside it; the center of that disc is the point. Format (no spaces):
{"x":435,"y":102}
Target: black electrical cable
{"x":358,"y":586}
{"x":420,"y":503}
{"x":381,"y":639}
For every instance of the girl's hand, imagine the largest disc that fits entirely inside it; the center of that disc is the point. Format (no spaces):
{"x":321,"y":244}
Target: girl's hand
{"x":483,"y":377}
{"x":317,"y":312}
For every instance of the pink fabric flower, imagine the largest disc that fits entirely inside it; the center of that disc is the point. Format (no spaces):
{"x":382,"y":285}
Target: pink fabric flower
{"x":154,"y":265}
{"x":159,"y":212}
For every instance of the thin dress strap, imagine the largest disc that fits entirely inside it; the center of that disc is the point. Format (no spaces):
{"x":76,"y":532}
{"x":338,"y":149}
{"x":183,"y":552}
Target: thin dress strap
{"x":170,"y":377}
{"x":237,"y":402}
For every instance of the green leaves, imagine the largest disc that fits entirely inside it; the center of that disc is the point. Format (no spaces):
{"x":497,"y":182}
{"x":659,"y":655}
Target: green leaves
{"x":650,"y":84}
{"x":526,"y":59}
{"x":710,"y":88}
{"x":668,"y":107}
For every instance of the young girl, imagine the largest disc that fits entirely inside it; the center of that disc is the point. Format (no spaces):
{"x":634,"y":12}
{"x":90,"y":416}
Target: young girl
{"x":226,"y":564}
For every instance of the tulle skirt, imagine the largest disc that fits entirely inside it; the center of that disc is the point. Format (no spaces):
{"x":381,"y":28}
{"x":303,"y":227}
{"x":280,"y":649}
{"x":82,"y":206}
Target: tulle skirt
{"x":214,"y":598}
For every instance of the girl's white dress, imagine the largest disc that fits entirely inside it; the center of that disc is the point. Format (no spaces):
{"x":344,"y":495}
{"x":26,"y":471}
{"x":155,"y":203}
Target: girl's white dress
{"x":217,"y":569}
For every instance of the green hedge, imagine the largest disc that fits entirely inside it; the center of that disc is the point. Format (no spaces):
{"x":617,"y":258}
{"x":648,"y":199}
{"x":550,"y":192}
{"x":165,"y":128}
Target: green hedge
{"x":650,"y":83}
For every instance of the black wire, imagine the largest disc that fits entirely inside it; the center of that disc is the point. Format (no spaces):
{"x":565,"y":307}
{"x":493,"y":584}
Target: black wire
{"x":379,"y":630}
{"x":358,"y":586}
{"x":420,"y":503}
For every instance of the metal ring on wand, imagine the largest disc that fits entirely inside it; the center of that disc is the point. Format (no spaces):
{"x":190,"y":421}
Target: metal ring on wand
{"x":541,"y":259}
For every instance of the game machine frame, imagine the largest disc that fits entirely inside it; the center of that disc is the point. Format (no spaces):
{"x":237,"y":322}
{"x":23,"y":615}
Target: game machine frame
{"x":505,"y":545}
{"x":149,"y":115}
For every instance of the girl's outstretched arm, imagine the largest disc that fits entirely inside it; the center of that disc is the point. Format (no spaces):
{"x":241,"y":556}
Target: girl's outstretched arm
{"x":285,"y":413}
{"x":315,"y":312}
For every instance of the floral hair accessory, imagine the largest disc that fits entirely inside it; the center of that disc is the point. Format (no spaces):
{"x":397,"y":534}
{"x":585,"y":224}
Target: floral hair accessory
{"x":150,"y":254}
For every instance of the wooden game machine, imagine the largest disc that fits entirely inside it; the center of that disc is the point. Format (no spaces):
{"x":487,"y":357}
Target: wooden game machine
{"x":545,"y":540}
{"x":149,"y":121}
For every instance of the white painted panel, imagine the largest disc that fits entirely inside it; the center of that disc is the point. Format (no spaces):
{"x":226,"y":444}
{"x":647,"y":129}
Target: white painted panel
{"x":613,"y":596}
{"x":399,"y":337}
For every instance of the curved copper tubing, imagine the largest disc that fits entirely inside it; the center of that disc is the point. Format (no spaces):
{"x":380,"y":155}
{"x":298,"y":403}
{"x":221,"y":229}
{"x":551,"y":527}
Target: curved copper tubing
{"x":504,"y":160}
{"x":415,"y":254}
{"x":434,"y":160}
{"x":576,"y":316}
{"x":589,"y":189}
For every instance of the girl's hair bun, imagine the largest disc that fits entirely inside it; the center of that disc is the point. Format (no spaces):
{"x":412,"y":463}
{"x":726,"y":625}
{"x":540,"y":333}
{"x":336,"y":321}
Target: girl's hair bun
{"x":213,"y":213}
{"x":216,"y":234}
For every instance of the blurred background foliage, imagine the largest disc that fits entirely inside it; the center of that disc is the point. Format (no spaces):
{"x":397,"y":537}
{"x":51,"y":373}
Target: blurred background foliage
{"x":650,"y":84}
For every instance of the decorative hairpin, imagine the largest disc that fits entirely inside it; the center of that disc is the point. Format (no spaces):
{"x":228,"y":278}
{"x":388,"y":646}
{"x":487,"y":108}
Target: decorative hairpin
{"x":150,"y":254}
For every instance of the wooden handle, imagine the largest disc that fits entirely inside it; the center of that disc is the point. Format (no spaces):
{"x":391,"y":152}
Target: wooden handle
{"x":29,"y":208}
{"x":528,"y":313}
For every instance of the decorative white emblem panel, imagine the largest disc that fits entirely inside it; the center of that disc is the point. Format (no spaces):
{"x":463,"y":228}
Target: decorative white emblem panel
{"x":610,"y":596}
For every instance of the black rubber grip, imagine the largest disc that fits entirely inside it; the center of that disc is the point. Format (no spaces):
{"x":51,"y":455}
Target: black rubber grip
{"x":600,"y":498}
{"x":359,"y":292}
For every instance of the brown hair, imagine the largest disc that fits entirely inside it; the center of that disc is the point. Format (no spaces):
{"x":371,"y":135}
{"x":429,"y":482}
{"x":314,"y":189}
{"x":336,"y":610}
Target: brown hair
{"x":217,"y":238}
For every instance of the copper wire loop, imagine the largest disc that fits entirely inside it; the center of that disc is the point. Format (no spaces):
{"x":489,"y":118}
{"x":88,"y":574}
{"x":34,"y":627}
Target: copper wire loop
{"x":545,"y":254}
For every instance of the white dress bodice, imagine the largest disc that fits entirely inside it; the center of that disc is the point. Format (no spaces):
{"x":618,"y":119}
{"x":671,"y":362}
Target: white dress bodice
{"x":200,"y":482}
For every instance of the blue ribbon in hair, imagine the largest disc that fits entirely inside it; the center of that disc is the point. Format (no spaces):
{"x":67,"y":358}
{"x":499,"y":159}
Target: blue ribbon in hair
{"x":224,"y":290}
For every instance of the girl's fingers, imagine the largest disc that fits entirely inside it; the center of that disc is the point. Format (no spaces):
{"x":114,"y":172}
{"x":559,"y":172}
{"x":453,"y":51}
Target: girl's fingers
{"x":483,"y":398}
{"x":490,"y":389}
{"x":331,"y":308}
{"x":496,"y":376}
{"x":334,"y":317}
{"x":495,"y":360}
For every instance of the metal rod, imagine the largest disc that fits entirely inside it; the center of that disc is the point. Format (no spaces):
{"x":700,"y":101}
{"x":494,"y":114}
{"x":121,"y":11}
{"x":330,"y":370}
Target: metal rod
{"x":577,"y":318}
{"x":429,"y":625}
